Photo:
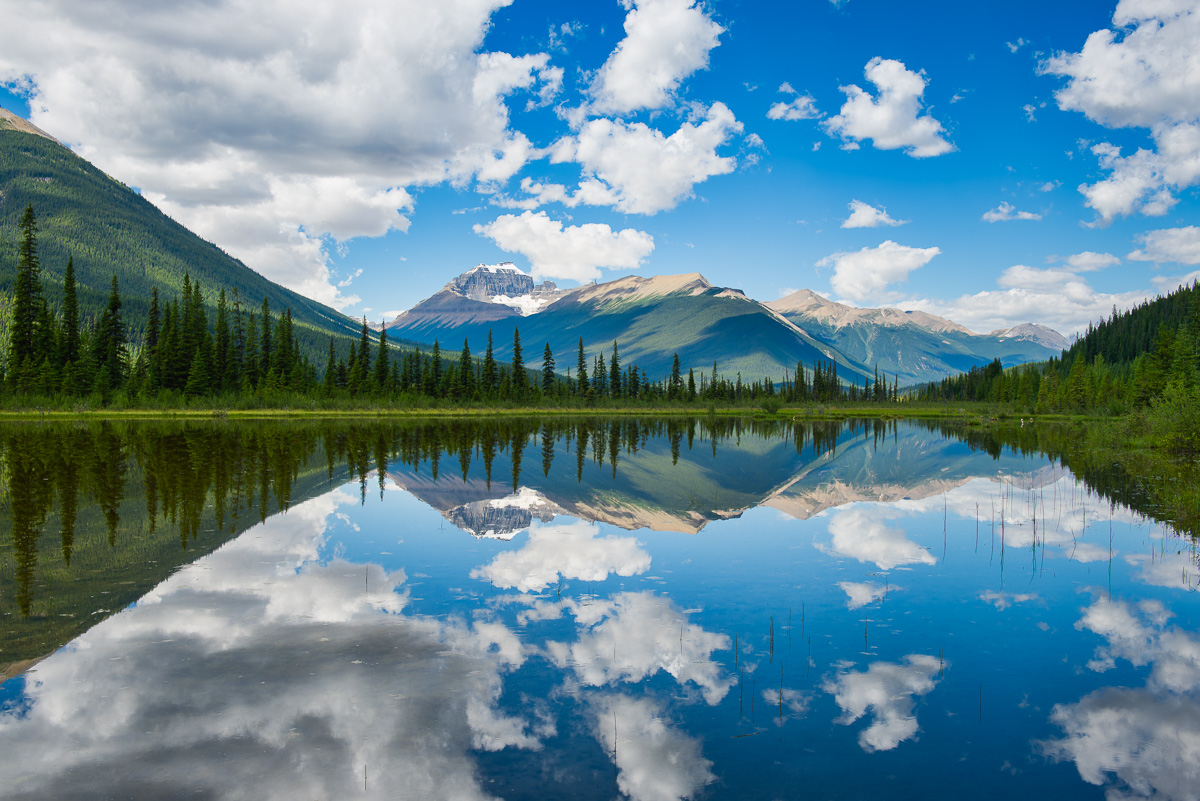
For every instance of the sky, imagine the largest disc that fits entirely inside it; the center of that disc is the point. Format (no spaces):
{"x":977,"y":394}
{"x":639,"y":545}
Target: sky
{"x":991,"y":162}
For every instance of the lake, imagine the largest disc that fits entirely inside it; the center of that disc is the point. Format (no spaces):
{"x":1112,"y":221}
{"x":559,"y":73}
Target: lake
{"x":593,"y":608}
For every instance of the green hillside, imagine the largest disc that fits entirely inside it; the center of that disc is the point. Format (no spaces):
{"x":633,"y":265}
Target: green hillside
{"x":110,"y":229}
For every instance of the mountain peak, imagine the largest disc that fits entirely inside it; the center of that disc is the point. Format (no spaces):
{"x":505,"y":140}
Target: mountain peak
{"x":1033,"y":332}
{"x":634,"y":287}
{"x":837,"y":315}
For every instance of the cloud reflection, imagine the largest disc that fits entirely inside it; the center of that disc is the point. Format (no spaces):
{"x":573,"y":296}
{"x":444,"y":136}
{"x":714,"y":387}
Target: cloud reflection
{"x":257,"y":672}
{"x":1147,"y":738}
{"x":634,"y":635}
{"x":655,"y":761}
{"x":859,"y":533}
{"x":574,"y":551}
{"x":888,"y":690}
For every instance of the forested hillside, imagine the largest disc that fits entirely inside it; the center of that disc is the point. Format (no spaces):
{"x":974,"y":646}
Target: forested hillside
{"x":1147,"y":358}
{"x":108,"y":229}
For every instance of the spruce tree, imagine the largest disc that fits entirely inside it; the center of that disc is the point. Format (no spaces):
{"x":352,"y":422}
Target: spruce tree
{"x":465,"y":373}
{"x":111,"y":354}
{"x":547,"y":370}
{"x":581,"y":371}
{"x":520,"y":379}
{"x":221,"y":349}
{"x":26,"y":301}
{"x":69,"y":351}
{"x":382,"y":366}
{"x":489,"y":370}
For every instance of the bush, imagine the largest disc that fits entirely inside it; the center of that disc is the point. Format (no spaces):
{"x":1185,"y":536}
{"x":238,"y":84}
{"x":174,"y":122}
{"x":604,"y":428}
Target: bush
{"x":1174,"y":421}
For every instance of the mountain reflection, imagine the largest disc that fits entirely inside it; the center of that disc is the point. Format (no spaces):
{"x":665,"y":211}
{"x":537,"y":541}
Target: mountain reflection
{"x":278,"y":610}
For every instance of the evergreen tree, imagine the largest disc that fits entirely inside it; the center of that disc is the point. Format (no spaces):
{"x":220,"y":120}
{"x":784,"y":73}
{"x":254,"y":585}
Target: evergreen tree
{"x":221,"y":349}
{"x":69,"y":350}
{"x":614,"y":374}
{"x":466,"y":375}
{"x":489,"y":370}
{"x":26,"y":302}
{"x":547,"y":370}
{"x":581,"y":371}
{"x":110,"y":344}
{"x":520,"y":379}
{"x":382,"y":359}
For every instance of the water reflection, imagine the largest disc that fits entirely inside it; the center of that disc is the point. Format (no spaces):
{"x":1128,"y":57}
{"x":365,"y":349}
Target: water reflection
{"x":496,"y":610}
{"x":1148,"y":738}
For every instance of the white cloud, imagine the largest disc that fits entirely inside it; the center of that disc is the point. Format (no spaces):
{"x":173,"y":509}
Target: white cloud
{"x":277,"y":130}
{"x":632,"y":636}
{"x":292,"y":676}
{"x":866,"y":273}
{"x":1015,"y":46}
{"x":655,"y":762}
{"x":1149,"y":737}
{"x":1006,"y":211}
{"x":801,"y":107}
{"x":859,"y":532}
{"x":1179,"y":245}
{"x":1058,"y":298}
{"x":1148,"y":78}
{"x":638,"y":170}
{"x":890,"y":120}
{"x":864,"y":215}
{"x":1003,"y":600}
{"x":665,"y":42}
{"x":571,"y":551}
{"x":1090,"y":261}
{"x":888,"y":690}
{"x":576,"y":252}
{"x":861,"y":593}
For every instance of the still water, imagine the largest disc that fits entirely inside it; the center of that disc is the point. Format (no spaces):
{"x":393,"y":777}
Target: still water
{"x":586,"y":608}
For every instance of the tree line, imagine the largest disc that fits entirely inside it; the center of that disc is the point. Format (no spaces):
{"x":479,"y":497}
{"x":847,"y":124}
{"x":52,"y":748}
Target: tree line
{"x":244,"y":351}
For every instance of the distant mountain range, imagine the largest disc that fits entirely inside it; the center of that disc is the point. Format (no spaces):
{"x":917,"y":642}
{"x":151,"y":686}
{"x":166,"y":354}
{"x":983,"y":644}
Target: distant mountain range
{"x":651,"y":319}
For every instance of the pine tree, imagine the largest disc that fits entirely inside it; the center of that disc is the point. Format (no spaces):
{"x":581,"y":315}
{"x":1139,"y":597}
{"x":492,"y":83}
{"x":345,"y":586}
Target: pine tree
{"x":614,"y":374}
{"x":26,"y":301}
{"x":547,"y":370}
{"x":221,"y":350}
{"x":111,"y":355}
{"x":69,"y":350}
{"x":466,"y":373}
{"x":520,"y":379}
{"x":489,"y":370}
{"x":382,"y":359}
{"x":581,"y":371}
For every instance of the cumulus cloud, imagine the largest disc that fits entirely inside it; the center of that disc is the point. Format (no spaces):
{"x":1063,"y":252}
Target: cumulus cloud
{"x":1058,"y":298}
{"x":1179,"y":245}
{"x":638,"y":170}
{"x":1006,"y":211}
{"x":864,"y":274}
{"x":1090,"y":261}
{"x":888,"y":690}
{"x":576,"y":252}
{"x":1143,"y":74}
{"x":632,"y":636}
{"x":859,"y":532}
{"x":864,"y":215}
{"x":572,"y":551}
{"x":274,"y":129}
{"x":665,"y":42}
{"x":891,"y":120}
{"x":801,"y":107}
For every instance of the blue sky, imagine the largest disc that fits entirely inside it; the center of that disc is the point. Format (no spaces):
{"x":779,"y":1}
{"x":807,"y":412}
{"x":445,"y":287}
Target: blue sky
{"x":1009,"y":161}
